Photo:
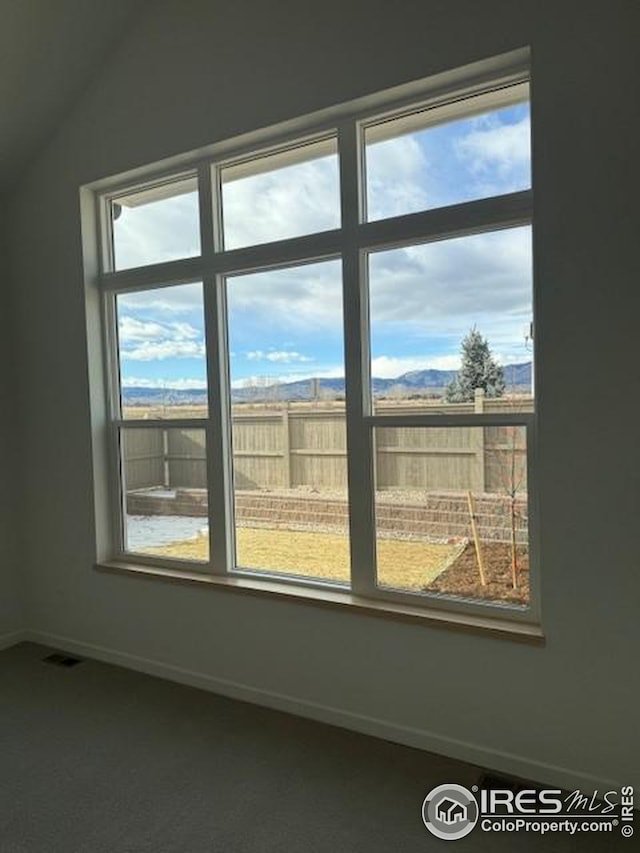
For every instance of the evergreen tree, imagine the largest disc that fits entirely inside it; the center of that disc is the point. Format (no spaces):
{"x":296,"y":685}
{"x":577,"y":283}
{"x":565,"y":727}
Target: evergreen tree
{"x":479,"y":370}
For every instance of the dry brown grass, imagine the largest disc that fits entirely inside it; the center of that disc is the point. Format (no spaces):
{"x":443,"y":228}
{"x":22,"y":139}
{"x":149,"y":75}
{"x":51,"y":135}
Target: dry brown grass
{"x":401,"y":564}
{"x":141,"y":413}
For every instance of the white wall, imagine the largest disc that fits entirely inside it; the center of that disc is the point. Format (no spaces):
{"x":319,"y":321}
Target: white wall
{"x":194,"y":72}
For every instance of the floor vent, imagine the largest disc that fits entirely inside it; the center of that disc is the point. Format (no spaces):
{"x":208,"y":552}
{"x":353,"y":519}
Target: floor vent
{"x":57,"y":659}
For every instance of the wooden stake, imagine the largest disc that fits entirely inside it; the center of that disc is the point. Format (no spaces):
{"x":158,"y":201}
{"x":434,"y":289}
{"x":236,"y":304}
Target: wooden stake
{"x":514,"y":552}
{"x":512,"y":495}
{"x":476,"y":538}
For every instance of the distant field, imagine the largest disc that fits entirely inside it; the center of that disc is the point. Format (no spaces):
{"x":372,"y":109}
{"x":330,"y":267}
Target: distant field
{"x":508,"y":403}
{"x":160,"y":412}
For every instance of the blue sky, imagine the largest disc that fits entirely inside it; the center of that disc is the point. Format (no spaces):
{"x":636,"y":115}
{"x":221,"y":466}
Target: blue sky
{"x":287,"y":324}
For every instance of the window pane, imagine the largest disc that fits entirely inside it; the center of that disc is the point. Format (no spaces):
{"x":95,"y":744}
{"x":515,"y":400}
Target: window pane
{"x":283,"y":195}
{"x":288,"y":421}
{"x":449,"y":154}
{"x":161,"y":348}
{"x":165,"y":493}
{"x":156,"y":225}
{"x":450,"y":317}
{"x":448,"y":502}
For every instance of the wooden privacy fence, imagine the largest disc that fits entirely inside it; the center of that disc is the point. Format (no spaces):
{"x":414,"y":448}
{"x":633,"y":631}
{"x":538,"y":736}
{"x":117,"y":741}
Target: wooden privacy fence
{"x":303,"y":445}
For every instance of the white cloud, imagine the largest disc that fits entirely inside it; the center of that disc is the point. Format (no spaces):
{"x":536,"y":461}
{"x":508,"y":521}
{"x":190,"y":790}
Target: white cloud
{"x":175,"y":299}
{"x":454,"y":282}
{"x":429,"y":296}
{"x":160,"y":231}
{"x":161,"y":350}
{"x":287,"y":202}
{"x":497,"y":148}
{"x":394,"y":183}
{"x":289,"y":301}
{"x":184,"y":332}
{"x":150,"y":336}
{"x":132,"y":330}
{"x":390,"y":367}
{"x":509,"y":358}
{"x":277,"y":356}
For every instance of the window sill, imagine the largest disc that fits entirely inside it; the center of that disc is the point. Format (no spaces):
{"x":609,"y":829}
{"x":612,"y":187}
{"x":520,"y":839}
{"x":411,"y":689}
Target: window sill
{"x":521,"y":632}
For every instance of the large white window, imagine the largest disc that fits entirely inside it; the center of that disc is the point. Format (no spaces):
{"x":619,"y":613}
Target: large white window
{"x":318,"y":350}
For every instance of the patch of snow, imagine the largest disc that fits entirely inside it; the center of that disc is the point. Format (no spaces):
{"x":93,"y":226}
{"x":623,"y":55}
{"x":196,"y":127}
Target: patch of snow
{"x":151,"y":531}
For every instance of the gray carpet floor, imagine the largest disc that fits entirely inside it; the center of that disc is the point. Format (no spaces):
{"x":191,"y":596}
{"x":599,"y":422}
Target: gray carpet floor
{"x":98,"y":758}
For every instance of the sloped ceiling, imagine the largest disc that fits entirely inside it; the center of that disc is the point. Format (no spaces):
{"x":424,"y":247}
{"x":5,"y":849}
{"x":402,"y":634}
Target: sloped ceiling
{"x":49,"y":51}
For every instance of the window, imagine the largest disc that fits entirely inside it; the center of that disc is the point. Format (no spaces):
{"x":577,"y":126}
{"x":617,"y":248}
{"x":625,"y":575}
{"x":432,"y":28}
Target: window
{"x":319,"y":350}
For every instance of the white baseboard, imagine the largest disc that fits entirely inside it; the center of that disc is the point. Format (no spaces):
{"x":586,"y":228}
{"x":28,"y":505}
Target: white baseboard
{"x":8,"y":640}
{"x":495,"y":760}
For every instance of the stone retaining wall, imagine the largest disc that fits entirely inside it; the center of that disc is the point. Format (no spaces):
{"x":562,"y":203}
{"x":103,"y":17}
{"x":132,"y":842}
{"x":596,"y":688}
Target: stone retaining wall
{"x":439,"y":515}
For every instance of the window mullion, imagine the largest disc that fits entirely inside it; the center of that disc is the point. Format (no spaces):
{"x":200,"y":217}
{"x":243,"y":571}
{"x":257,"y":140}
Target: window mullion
{"x":114,"y":413}
{"x":112,"y":361}
{"x":105,"y":236}
{"x":166,"y":274}
{"x":118,"y":487}
{"x":457,"y":220}
{"x":359,"y":436}
{"x":307,"y":249}
{"x":217,"y":424}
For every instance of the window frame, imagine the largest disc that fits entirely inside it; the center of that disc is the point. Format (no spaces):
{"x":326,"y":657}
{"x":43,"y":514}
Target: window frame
{"x":351,"y":243}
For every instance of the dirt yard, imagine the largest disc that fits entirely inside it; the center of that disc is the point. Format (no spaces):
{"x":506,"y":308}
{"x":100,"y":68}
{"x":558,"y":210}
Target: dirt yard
{"x":462,"y":576}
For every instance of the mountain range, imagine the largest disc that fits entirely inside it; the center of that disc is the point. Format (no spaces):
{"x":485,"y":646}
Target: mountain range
{"x":418,"y":382}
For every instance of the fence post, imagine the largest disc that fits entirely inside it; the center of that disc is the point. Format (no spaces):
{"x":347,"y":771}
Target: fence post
{"x":165,"y":459}
{"x":478,"y":442}
{"x":286,"y":446}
